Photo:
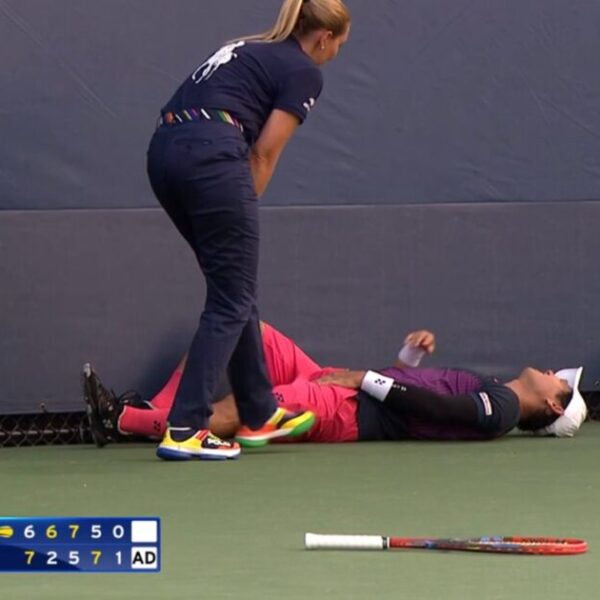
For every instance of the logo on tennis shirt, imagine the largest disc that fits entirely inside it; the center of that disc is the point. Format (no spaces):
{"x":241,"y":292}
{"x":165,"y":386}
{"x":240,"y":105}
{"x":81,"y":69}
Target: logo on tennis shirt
{"x":308,"y":105}
{"x":487,"y":405}
{"x":221,"y":57}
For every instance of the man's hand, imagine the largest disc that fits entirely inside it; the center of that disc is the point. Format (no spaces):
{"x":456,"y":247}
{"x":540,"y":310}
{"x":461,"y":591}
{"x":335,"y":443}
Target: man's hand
{"x":421,"y":339}
{"x":416,"y":345}
{"x":349,"y":379}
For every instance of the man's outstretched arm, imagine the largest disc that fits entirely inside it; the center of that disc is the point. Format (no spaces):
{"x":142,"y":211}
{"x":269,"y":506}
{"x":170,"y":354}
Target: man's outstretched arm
{"x":409,"y":400}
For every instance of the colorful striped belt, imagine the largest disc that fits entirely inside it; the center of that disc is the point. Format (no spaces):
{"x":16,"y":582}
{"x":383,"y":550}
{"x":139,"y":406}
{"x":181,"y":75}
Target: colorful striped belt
{"x":198,"y":114}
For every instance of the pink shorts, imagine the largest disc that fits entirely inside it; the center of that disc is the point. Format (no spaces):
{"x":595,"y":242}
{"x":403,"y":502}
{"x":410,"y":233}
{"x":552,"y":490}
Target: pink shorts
{"x":293,"y":373}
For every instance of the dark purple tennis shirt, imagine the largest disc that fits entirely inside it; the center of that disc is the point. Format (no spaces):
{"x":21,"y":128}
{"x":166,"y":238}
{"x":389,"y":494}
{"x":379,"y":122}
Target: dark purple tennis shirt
{"x":497,"y":407}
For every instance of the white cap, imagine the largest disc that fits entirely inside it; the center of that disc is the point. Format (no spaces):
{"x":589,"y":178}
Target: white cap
{"x":570,"y":421}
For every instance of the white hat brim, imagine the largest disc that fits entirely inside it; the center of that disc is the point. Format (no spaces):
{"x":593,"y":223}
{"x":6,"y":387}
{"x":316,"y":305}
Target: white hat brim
{"x":576,"y":411}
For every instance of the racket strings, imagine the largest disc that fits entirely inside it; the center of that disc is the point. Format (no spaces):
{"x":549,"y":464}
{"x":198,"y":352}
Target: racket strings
{"x":524,"y":541}
{"x":514,"y":545}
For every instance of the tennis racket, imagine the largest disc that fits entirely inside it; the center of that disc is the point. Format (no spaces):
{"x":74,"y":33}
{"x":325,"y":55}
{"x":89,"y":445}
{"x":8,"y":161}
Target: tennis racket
{"x":505,"y":545}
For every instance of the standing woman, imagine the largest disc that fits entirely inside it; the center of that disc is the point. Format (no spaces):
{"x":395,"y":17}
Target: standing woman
{"x":213,"y":154}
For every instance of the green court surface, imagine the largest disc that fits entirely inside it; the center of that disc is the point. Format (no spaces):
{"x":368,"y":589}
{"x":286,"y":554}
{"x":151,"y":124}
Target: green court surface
{"x":235,"y":530}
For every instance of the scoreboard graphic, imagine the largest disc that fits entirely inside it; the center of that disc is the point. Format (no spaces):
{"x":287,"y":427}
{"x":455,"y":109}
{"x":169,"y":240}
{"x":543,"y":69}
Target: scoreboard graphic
{"x":80,"y":544}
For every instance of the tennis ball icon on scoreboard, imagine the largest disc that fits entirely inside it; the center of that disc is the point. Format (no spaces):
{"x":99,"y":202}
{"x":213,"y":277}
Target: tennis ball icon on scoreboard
{"x":6,"y":531}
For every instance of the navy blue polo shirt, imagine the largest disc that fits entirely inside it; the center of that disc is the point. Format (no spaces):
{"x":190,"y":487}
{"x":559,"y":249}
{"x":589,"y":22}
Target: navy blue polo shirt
{"x":249,"y":80}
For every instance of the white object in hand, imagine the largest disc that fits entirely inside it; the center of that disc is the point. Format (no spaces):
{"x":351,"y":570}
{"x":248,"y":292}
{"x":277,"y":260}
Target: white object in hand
{"x":411,"y":355}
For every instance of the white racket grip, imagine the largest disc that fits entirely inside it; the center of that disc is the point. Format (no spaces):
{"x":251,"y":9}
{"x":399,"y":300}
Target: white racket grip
{"x":316,"y":541}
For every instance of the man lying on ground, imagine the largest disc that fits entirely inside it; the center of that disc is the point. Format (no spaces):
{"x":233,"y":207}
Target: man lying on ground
{"x":395,"y":403}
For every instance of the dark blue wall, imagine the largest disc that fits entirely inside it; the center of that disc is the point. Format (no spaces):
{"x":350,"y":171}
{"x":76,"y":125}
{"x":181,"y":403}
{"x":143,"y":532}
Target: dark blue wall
{"x":431,"y":101}
{"x":449,"y":178}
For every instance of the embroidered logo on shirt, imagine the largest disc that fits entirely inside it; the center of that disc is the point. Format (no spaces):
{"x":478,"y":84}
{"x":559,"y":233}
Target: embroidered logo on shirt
{"x":487,"y":405}
{"x":218,"y":59}
{"x":309,"y":104}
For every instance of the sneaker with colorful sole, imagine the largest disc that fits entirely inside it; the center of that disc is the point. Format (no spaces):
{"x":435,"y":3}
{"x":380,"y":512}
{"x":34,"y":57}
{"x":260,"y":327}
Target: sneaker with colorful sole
{"x":203,"y":445}
{"x":284,"y":423}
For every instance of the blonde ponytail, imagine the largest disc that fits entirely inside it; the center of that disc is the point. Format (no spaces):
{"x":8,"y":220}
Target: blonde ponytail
{"x":303,"y":16}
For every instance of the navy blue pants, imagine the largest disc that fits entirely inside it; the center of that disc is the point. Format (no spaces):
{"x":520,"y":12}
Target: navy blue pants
{"x":201,"y":175}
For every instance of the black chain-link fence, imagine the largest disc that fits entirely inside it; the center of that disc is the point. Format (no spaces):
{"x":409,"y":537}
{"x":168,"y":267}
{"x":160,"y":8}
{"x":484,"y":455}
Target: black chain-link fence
{"x":44,"y":429}
{"x":51,"y":429}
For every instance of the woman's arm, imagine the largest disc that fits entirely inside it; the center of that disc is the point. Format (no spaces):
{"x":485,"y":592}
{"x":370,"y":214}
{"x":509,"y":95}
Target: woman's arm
{"x":265,"y":153}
